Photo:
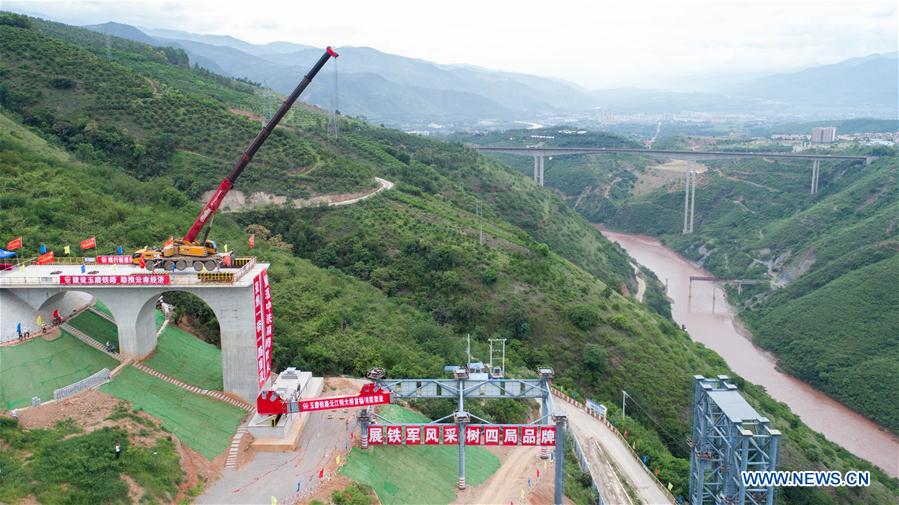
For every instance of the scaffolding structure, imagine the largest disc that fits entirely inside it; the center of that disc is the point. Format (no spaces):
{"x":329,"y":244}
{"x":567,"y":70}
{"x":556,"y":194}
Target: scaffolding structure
{"x":729,"y":437}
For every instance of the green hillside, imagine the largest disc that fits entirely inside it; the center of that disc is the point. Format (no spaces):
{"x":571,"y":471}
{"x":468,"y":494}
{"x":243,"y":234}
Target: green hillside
{"x":395,"y":281}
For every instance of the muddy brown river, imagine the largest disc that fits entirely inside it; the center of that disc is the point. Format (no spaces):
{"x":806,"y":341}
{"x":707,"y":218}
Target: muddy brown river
{"x":711,"y":320}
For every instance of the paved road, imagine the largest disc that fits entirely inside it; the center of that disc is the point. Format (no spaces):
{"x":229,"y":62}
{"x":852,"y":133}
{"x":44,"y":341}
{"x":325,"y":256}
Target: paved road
{"x":277,"y":473}
{"x":631,"y":469}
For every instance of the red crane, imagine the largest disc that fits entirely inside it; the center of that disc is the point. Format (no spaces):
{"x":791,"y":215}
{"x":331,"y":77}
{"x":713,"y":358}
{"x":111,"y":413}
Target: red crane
{"x":179,"y":254}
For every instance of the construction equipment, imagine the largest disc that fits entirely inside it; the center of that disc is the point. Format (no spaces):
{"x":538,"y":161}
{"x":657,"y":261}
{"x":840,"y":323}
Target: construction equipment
{"x":188,"y":252}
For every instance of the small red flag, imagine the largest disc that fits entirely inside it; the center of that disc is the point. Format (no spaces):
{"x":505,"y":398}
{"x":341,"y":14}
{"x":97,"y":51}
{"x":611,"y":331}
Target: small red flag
{"x":44,"y":259}
{"x":140,"y":261}
{"x":14,"y":244}
{"x":538,"y":473}
{"x":252,"y":240}
{"x":321,"y":473}
{"x":56,"y":314}
{"x":89,"y":243}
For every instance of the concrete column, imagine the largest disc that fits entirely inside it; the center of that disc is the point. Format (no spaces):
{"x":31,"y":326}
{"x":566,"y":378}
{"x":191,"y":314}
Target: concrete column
{"x":461,"y":455}
{"x":537,"y":170}
{"x":133,"y":311}
{"x":542,"y":159}
{"x":686,"y":202}
{"x":559,"y":491}
{"x":816,"y":171}
{"x":363,"y":423}
{"x":235,"y":312}
{"x":692,"y":199}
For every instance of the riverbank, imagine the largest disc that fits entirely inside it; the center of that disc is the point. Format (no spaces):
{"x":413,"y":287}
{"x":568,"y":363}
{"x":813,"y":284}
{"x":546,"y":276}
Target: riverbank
{"x":710,"y":320}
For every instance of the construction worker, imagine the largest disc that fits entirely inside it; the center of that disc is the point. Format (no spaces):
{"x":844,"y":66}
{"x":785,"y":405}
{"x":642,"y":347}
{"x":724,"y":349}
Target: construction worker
{"x":118,"y":450}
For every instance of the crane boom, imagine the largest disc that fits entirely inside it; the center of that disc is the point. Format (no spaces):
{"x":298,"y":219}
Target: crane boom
{"x":224,"y":187}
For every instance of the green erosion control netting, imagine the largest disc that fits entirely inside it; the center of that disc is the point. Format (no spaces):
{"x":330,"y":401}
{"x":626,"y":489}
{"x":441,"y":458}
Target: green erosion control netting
{"x":423,"y":474}
{"x":185,"y":357}
{"x":94,"y":326}
{"x":203,"y":424}
{"x":38,"y":367}
{"x":100,"y":306}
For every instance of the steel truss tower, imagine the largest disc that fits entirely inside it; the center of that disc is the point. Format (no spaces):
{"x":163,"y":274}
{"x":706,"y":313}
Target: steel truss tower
{"x":729,"y":437}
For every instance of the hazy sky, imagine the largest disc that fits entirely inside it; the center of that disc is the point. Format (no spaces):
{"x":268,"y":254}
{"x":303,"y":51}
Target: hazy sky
{"x":598,"y":43}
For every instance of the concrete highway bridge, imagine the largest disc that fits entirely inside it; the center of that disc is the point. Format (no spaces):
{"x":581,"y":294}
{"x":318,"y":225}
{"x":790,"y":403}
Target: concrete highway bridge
{"x":540,"y":153}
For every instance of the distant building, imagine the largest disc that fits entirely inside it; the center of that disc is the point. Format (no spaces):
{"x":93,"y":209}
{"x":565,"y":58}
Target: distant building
{"x":824,"y":135}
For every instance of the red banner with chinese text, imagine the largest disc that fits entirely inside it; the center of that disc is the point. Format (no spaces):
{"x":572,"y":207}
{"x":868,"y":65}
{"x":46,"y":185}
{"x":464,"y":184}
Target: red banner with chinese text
{"x":46,"y":258}
{"x":116,"y":280}
{"x":113,"y":260}
{"x":430,"y":434}
{"x":262,"y":305}
{"x":14,"y":244}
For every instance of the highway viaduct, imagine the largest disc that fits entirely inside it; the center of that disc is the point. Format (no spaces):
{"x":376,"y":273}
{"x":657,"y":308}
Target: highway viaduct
{"x":540,"y":153}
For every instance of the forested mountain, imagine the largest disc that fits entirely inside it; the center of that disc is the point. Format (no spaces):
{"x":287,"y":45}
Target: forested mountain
{"x":411,"y":92}
{"x":134,"y":136}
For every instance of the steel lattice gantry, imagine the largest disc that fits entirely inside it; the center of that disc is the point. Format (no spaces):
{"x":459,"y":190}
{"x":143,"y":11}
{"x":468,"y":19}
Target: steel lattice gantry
{"x":463,"y":387}
{"x":729,"y":437}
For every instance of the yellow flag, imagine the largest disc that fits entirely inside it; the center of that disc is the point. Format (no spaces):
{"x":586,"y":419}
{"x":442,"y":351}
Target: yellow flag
{"x":544,"y":464}
{"x":670,"y":485}
{"x":226,"y":247}
{"x":338,"y":459}
{"x":40,"y":320}
{"x":522,"y":493}
{"x":274,"y":501}
{"x":635,"y":445}
{"x":67,"y":250}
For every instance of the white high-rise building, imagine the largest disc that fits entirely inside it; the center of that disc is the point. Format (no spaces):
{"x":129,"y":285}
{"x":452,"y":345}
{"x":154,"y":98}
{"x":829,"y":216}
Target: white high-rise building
{"x":824,"y":134}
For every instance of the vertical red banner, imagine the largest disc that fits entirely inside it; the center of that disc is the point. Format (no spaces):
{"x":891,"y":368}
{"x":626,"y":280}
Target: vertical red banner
{"x":375,"y":435}
{"x":268,"y":322}
{"x":262,"y":304}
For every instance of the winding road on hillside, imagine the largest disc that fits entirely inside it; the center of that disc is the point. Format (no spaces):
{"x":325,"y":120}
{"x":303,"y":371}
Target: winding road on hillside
{"x":592,"y":432}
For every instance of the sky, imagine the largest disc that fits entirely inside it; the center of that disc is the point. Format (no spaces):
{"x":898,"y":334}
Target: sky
{"x":597,"y":44}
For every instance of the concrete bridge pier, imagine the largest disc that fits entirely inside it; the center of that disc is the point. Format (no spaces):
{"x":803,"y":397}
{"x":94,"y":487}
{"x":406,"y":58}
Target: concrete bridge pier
{"x":689,"y":201}
{"x":816,"y":172}
{"x":538,"y":170}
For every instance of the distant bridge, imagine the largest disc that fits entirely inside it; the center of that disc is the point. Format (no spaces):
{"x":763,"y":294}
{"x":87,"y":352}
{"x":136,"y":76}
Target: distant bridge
{"x":539,"y":153}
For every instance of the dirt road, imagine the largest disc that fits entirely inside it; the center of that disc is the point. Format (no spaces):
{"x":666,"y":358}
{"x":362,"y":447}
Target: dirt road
{"x":278,"y":474}
{"x":519,"y":465}
{"x":595,"y":432}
